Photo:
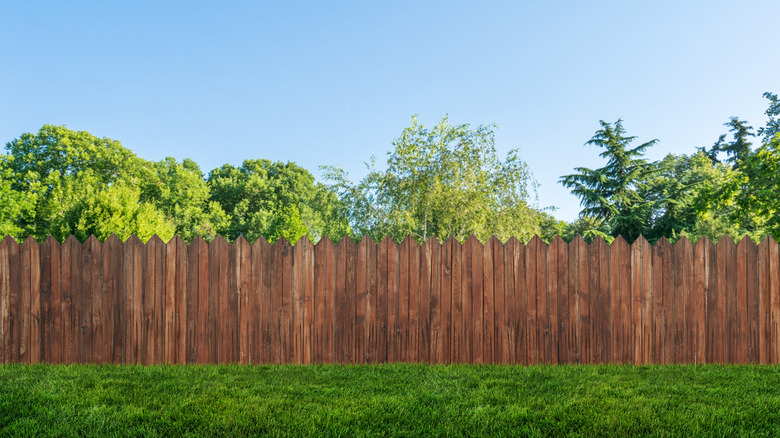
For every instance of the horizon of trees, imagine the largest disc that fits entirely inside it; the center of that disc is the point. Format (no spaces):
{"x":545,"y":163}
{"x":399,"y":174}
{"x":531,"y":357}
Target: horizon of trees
{"x":443,"y":181}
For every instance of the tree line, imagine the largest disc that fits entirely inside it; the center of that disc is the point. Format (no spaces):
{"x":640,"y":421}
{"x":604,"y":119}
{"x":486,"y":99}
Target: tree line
{"x":446,"y":180}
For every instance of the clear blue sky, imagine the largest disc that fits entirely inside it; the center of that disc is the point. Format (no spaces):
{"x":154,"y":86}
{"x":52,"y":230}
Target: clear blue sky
{"x":334,"y":82}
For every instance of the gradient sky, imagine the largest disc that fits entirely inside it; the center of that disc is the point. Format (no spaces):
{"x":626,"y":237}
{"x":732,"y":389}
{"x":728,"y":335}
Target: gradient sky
{"x":335,"y":82}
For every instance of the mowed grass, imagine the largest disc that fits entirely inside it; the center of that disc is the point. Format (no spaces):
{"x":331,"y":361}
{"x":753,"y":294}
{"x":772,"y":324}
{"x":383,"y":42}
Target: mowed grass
{"x":389,"y":400}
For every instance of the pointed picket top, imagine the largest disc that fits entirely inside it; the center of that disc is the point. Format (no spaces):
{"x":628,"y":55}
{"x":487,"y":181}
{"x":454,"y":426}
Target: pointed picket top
{"x":113,"y":240}
{"x":726,"y":240}
{"x":493,"y":240}
{"x":366,"y":241}
{"x":472,"y":240}
{"x":155,"y":241}
{"x":409,"y":240}
{"x":513,"y":241}
{"x":619,"y":241}
{"x":452,"y":240}
{"x":324,"y":242}
{"x":746,"y":241}
{"x":260,"y":242}
{"x":9,"y":240}
{"x":771,"y":240}
{"x":345,"y":242}
{"x":218,"y":240}
{"x":432,"y":242}
{"x":705,"y":241}
{"x":241,"y":240}
{"x":641,"y":241}
{"x":92,"y":241}
{"x":302,"y":242}
{"x":281,"y":242}
{"x":388,"y":241}
{"x":557,"y":240}
{"x":536,"y":242}
{"x":132,"y":240}
{"x":598,"y":242}
{"x":663,"y":241}
{"x":579,"y":240}
{"x":29,"y":241}
{"x":51,"y":242}
{"x":175,"y":240}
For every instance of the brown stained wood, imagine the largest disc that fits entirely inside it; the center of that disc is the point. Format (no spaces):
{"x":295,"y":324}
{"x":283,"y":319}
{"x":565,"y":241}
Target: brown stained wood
{"x":774,"y":301}
{"x":156,"y":248}
{"x":14,"y":299}
{"x":594,"y":278}
{"x":383,"y":337}
{"x":466,"y":297}
{"x":308,"y":289}
{"x":553,"y":312}
{"x":626,"y":335}
{"x":362,"y":301}
{"x":260,"y":304}
{"x":426,"y":276}
{"x":637,"y":304}
{"x":477,"y":302}
{"x":520,"y":304}
{"x":90,"y":299}
{"x":532,"y":320}
{"x":582,"y":270}
{"x":732,"y":327}
{"x":29,"y":304}
{"x":277,"y":285}
{"x":131,"y":299}
{"x":44,"y":345}
{"x":213,"y":315}
{"x":763,"y":302}
{"x":204,"y":300}
{"x":229,"y":342}
{"x":401,"y":344}
{"x":434,"y":326}
{"x":752,"y":303}
{"x":181,"y":301}
{"x":393,"y":301}
{"x":510,"y":308}
{"x":169,"y":304}
{"x":605,"y":329}
{"x":690,"y":305}
{"x":299,"y":303}
{"x":296,"y":305}
{"x":488,"y":303}
{"x":710,"y":303}
{"x":559,"y":250}
{"x":574,"y":347}
{"x":445,"y":297}
{"x":647,"y":301}
{"x":657,"y":320}
{"x":663,"y":285}
{"x":678,"y":337}
{"x":361,"y":282}
{"x":245,"y":295}
{"x":721,"y":342}
{"x":413,"y":333}
{"x":340,"y":302}
{"x":5,"y":304}
{"x":616,"y":333}
{"x":741,"y":302}
{"x":458,"y":335}
{"x":192,"y":304}
{"x":542,"y":309}
{"x":499,"y":294}
{"x":350,"y":288}
{"x":699,"y":291}
{"x":287,"y":307}
{"x":330,"y":301}
{"x":113,"y":266}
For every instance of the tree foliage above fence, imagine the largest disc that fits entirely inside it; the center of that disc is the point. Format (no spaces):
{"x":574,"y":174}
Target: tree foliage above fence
{"x":448,"y":302}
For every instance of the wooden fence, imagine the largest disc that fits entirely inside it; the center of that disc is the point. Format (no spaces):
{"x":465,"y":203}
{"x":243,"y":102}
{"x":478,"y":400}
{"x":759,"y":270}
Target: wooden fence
{"x":520,"y":303}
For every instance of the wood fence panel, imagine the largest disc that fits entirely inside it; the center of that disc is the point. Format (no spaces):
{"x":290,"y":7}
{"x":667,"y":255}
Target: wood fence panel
{"x":558,"y":260}
{"x":350,"y":301}
{"x":50,"y":298}
{"x":287,"y":287}
{"x":764,"y":321}
{"x":113,"y":305}
{"x":433,"y":303}
{"x":510,"y":300}
{"x":15,"y":299}
{"x":245,"y":295}
{"x":488,"y":303}
{"x":446,"y":298}
{"x":426,"y":284}
{"x":30,"y":304}
{"x":722,"y":343}
{"x":751,"y":257}
{"x":5,"y":303}
{"x":192,"y":298}
{"x":774,"y":301}
{"x":711,"y":302}
{"x":204,"y":300}
{"x":169,"y":302}
{"x":732,"y":304}
{"x":741,"y":306}
{"x":532,"y":321}
{"x":458,"y":329}
{"x":361,"y":298}
{"x":394,"y":267}
{"x":383,"y":335}
{"x":660,"y":255}
{"x":499,"y":294}
{"x":413,"y":331}
{"x":477,"y":301}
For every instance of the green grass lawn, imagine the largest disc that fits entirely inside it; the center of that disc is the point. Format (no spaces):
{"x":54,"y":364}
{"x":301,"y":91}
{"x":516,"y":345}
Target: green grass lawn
{"x":390,"y":400}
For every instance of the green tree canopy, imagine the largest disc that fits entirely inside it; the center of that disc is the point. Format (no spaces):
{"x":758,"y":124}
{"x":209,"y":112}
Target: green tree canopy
{"x":441,"y":182}
{"x":611,"y":193}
